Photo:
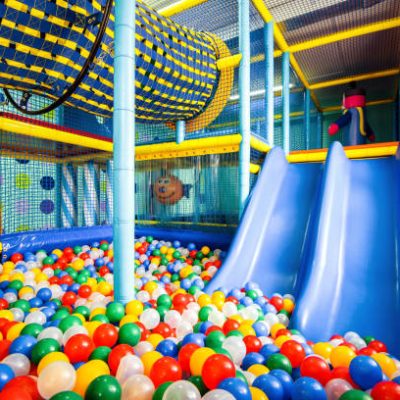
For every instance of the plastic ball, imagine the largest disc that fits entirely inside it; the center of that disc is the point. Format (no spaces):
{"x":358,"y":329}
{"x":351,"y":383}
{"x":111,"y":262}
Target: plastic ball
{"x":336,"y":387}
{"x":257,"y":394}
{"x":308,"y":389}
{"x":105,"y":335}
{"x":86,"y":373}
{"x":294,"y":351}
{"x":365,"y":372}
{"x":386,"y":363}
{"x":104,"y":387}
{"x":236,"y":387}
{"x":116,"y":355}
{"x":217,"y":368}
{"x":271,"y":386}
{"x":43,"y":347}
{"x":355,"y":395}
{"x":165,"y":369}
{"x":19,"y":363}
{"x":130,"y":365}
{"x":150,"y":318}
{"x":51,"y":358}
{"x":386,"y":391}
{"x":218,"y":394}
{"x":316,"y":368}
{"x":67,"y":395}
{"x":78,"y":348}
{"x":279,"y":361}
{"x":236,"y":347}
{"x":6,"y":374}
{"x":138,"y":387}
{"x":198,"y":359}
{"x":182,"y":390}
{"x":341,"y":356}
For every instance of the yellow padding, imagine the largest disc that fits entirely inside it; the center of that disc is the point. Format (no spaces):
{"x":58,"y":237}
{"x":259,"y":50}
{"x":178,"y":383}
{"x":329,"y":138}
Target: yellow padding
{"x":179,"y":7}
{"x":259,"y":145}
{"x":254,"y":168}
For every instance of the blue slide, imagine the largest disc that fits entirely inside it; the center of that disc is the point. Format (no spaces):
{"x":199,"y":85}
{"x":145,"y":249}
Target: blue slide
{"x":330,"y":234}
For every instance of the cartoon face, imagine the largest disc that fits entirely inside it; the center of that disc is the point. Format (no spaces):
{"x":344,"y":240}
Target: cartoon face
{"x":168,"y":189}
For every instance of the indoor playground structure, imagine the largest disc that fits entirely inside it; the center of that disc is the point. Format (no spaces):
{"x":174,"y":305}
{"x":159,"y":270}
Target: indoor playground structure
{"x":199,"y":199}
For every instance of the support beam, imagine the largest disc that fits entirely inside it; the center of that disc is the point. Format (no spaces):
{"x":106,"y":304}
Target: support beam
{"x":109,"y":192}
{"x":180,"y":131}
{"x":319,"y":132}
{"x":124,"y":150}
{"x":269,"y":81}
{"x":286,"y":101}
{"x":307,"y":118}
{"x":244,"y":103}
{"x":362,"y":77}
{"x":368,"y":104}
{"x":179,"y":6}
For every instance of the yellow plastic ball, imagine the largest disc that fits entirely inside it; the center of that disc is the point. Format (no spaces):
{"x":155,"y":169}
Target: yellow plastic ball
{"x":148,"y":360}
{"x":138,"y":245}
{"x":288,"y":305}
{"x":8,"y":266}
{"x":78,"y":264}
{"x":87,"y":373}
{"x":275,"y":328}
{"x":17,"y":276}
{"x":323,"y":349}
{"x":341,"y":356}
{"x":218,"y":296}
{"x":80,"y":316}
{"x":258,"y":369}
{"x":219,"y":304}
{"x":150,"y":286}
{"x":198,"y":359}
{"x":386,"y":363}
{"x":104,"y":288}
{"x":25,"y":290}
{"x":97,"y":311}
{"x":41,"y":277}
{"x":185,"y":272}
{"x":91,"y":326}
{"x":127,"y":319}
{"x":281,"y":339}
{"x":57,"y":252}
{"x":50,"y":358}
{"x":257,"y":394}
{"x":163,"y":249}
{"x":134,"y":307}
{"x":156,"y":261}
{"x":155,"y":339}
{"x":204,"y":300}
{"x":4,"y":277}
{"x":92,"y":283}
{"x":15,"y":331}
{"x":237,"y":318}
{"x":205,"y":250}
{"x":7,"y":314}
{"x":246,"y":330}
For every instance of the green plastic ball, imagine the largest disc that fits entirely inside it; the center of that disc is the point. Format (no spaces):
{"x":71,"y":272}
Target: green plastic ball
{"x":162,"y":311}
{"x":279,"y":361}
{"x":159,"y":393}
{"x":204,"y":313}
{"x":355,"y":395}
{"x":368,"y":339}
{"x":60,"y":314}
{"x":48,"y":261}
{"x":66,"y":396}
{"x":22,"y":304}
{"x":234,"y":332}
{"x":100,"y":353}
{"x":82,"y":310}
{"x":17,"y":285}
{"x":69,"y":322}
{"x":32,"y":330}
{"x":129,"y":334}
{"x":104,"y":246}
{"x":77,"y":250}
{"x":149,"y":239}
{"x":215,"y":339}
{"x":44,"y":347}
{"x":104,"y":387}
{"x":102,"y":318}
{"x":176,"y":254}
{"x":164,"y":300}
{"x":115,"y":311}
{"x":198,"y":382}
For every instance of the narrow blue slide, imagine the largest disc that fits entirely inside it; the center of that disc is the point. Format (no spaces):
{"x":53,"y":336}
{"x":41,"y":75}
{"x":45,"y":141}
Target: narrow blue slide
{"x":271,"y":241}
{"x":352,"y":279}
{"x":330,"y":234}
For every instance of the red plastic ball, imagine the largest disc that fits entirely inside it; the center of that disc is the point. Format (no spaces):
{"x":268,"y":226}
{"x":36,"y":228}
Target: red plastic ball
{"x":213,"y":328}
{"x":386,"y":391}
{"x":165,"y":369}
{"x":16,"y":257}
{"x":283,"y":332}
{"x":68,"y":251}
{"x":366,"y":351}
{"x":103,"y":271}
{"x":217,"y":368}
{"x":163,"y":329}
{"x":105,"y":335}
{"x":85,"y":291}
{"x":378,"y":346}
{"x":180,"y":300}
{"x":84,"y":256}
{"x":3,"y":304}
{"x":116,"y":354}
{"x":28,"y":383}
{"x":4,"y":346}
{"x":294,"y":351}
{"x":253,"y":344}
{"x":78,"y":348}
{"x":185,"y":353}
{"x":69,"y":298}
{"x":317,"y":368}
{"x":67,"y":280}
{"x":144,"y":332}
{"x":277,"y":302}
{"x":230,"y":325}
{"x":15,"y":393}
{"x":343,"y":373}
{"x":54,"y":281}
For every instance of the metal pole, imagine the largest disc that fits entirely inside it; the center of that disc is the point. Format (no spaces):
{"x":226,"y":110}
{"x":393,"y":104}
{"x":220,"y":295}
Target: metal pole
{"x":109,"y":192}
{"x":180,"y":131}
{"x":244,"y":103}
{"x":269,"y":80}
{"x":286,"y":101}
{"x":124,"y":150}
{"x":307,"y":106}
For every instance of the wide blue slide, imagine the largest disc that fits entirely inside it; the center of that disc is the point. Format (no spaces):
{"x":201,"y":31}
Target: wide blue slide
{"x":330,"y":235}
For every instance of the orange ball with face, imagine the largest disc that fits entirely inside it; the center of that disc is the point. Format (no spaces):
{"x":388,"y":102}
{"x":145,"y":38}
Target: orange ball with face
{"x":168,"y":189}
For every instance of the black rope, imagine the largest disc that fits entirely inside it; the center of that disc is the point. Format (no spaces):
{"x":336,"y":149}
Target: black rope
{"x":81,"y":75}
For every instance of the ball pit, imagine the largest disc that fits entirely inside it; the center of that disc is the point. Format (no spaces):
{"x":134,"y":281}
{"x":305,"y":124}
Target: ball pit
{"x":65,"y":338}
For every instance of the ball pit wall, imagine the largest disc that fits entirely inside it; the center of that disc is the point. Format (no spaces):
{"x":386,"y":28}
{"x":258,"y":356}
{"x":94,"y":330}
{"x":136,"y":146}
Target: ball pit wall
{"x":49,"y":240}
{"x":272,"y":239}
{"x":353,"y":274}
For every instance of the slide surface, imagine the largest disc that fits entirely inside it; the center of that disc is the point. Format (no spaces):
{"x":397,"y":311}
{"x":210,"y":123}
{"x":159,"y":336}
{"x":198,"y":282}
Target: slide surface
{"x":330,"y":235}
{"x":271,"y":241}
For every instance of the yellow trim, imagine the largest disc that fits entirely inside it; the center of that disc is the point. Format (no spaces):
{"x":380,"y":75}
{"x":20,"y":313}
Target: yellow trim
{"x":352,"y":153}
{"x":347,"y":34}
{"x":262,"y":9}
{"x":368,"y":104}
{"x":254,"y":168}
{"x":179,"y":7}
{"x":150,"y":222}
{"x":362,"y":77}
{"x":229,"y":62}
{"x":259,"y":145}
{"x":361,"y":117}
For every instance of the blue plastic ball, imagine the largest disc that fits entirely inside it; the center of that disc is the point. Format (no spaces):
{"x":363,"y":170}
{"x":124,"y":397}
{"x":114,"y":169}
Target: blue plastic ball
{"x":197,"y":338}
{"x":286,"y":381}
{"x":23,"y":344}
{"x":269,"y":349}
{"x":35,"y":302}
{"x":260,"y":328}
{"x":44,"y":294}
{"x":167,"y":348}
{"x":271,"y":386}
{"x":236,"y":387}
{"x":251,"y":359}
{"x":6,"y":374}
{"x":308,"y":389}
{"x":365,"y":372}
